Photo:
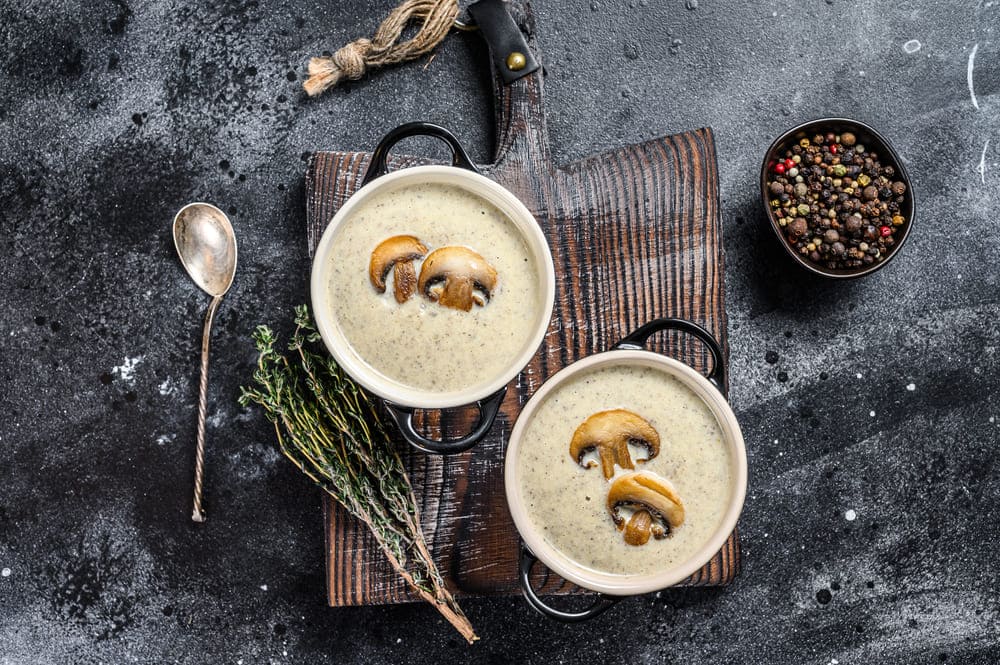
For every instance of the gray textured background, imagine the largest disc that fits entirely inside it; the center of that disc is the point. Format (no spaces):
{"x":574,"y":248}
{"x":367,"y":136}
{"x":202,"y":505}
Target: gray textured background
{"x":882,"y":399}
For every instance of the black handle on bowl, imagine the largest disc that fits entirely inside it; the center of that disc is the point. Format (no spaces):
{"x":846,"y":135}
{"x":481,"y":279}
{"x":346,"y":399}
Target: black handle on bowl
{"x":488,"y":409}
{"x":378,"y":164}
{"x":637,"y":340}
{"x":602,"y":602}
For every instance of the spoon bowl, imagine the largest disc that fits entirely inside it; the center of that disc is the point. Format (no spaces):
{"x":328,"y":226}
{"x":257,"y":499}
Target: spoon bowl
{"x":206,"y":245}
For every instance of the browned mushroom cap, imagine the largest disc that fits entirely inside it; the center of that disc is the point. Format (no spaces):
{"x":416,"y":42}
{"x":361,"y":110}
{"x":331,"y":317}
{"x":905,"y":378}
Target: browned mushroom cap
{"x":397,"y":252}
{"x":658,"y":508}
{"x":457,"y":277}
{"x":610,"y":432}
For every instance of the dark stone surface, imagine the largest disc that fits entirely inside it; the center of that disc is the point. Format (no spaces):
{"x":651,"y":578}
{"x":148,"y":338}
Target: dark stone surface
{"x":875,"y":400}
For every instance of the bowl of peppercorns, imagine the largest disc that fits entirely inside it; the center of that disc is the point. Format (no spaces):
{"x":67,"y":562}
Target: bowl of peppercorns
{"x":837,"y":196}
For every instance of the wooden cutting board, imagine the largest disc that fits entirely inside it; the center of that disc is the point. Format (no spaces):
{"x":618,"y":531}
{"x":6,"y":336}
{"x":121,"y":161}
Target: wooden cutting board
{"x":635,"y":235}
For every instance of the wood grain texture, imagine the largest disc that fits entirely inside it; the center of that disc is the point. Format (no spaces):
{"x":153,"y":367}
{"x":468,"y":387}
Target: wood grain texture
{"x":635,"y":234}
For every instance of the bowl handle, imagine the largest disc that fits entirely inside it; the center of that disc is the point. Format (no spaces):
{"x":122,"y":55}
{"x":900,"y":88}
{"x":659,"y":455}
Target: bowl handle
{"x":379,"y":167}
{"x":601,"y":603}
{"x":488,"y":409}
{"x":637,"y":340}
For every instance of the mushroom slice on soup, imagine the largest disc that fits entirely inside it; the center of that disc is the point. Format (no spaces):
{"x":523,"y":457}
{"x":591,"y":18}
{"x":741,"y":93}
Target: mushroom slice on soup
{"x":656,"y":506}
{"x":396,"y":254}
{"x":610,"y":433}
{"x":457,"y":277}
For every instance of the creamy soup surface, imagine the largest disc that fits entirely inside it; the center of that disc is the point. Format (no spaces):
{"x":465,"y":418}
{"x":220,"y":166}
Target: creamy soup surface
{"x":566,"y":503}
{"x":421,"y":344}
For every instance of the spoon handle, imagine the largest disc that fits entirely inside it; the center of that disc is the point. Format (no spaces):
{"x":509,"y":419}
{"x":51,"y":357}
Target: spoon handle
{"x":198,"y":515}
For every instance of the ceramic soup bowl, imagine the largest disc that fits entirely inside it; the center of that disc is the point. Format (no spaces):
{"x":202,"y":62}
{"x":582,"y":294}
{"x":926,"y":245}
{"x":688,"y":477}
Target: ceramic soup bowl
{"x":626,"y":472}
{"x":432,"y":287}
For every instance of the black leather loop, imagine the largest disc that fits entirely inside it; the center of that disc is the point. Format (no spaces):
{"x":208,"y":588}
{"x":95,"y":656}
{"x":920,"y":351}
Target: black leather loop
{"x":504,"y":38}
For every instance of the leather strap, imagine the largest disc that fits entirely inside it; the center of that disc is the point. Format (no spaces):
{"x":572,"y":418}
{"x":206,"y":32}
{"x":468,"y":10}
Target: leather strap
{"x":508,"y":47}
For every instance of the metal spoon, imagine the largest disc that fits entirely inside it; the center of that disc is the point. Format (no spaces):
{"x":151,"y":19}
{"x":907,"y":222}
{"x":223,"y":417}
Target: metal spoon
{"x":206,"y":244}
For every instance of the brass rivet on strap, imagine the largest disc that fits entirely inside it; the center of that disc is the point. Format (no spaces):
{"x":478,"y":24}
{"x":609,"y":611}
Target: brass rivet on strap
{"x":516,"y":61}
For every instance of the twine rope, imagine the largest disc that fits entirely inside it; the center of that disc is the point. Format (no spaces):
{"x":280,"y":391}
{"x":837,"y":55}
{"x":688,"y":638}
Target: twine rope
{"x":351,"y":62}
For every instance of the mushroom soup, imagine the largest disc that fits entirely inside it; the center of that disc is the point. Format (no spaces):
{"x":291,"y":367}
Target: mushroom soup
{"x":433,"y":287}
{"x":624,"y":470}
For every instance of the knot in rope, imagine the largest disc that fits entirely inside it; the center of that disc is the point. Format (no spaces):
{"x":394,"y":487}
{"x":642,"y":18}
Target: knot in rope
{"x":351,"y":61}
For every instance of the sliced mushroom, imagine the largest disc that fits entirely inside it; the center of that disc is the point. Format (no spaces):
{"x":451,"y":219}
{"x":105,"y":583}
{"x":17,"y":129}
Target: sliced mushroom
{"x":457,"y":277}
{"x":610,"y":432}
{"x":398,"y":254}
{"x":657,"y":506}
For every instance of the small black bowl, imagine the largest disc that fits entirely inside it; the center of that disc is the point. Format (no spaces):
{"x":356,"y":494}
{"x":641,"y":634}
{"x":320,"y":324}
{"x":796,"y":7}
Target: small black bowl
{"x":872,"y":140}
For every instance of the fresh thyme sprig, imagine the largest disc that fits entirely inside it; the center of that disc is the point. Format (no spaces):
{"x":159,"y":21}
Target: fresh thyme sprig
{"x":331,"y":429}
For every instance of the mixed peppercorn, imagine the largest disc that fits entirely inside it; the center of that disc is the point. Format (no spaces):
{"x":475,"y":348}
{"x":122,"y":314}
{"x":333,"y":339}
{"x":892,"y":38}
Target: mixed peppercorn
{"x":836,"y":203}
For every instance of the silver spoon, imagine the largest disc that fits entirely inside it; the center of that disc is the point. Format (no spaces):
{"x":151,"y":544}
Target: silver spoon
{"x":206,"y":244}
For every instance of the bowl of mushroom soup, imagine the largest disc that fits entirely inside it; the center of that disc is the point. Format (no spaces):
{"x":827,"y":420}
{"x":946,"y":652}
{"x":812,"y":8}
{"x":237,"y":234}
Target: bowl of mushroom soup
{"x":432,"y":287}
{"x":625,"y":472}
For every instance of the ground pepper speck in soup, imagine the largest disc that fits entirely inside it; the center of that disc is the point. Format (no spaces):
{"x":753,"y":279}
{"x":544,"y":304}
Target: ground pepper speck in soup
{"x":566,"y":503}
{"x":420,"y":343}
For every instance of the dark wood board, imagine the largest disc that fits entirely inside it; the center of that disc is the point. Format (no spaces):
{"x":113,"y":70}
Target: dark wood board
{"x":635,"y":234}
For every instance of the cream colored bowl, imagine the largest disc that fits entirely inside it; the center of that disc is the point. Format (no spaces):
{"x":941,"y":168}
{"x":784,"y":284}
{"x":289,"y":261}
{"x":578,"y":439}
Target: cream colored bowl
{"x":355,"y":365}
{"x":631,"y":354}
{"x":486,"y":391}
